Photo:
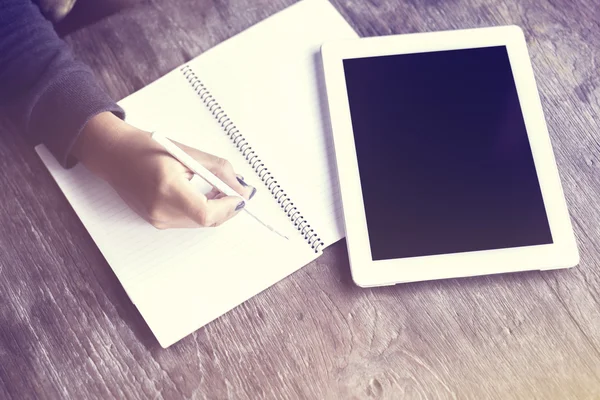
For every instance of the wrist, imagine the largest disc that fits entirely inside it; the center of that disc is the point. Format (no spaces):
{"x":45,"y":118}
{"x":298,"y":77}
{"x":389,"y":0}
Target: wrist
{"x":96,"y":147}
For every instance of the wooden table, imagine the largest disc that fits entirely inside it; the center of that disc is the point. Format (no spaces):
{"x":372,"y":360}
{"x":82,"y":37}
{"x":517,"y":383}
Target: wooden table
{"x":68,"y":330}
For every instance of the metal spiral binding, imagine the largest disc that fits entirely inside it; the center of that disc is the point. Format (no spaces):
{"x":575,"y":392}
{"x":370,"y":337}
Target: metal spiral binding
{"x":253,"y":160}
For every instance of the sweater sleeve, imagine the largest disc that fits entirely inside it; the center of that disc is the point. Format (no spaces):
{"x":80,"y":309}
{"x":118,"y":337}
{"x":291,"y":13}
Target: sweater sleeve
{"x":49,"y":94}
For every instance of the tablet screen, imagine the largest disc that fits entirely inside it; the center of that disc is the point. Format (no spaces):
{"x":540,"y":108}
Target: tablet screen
{"x":443,"y":155}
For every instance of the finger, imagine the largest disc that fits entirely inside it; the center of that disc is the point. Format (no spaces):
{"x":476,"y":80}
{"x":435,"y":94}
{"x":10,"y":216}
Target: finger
{"x":167,"y":215}
{"x":222,"y":209}
{"x":219,"y":195}
{"x":221,"y":168}
{"x":203,"y":211}
{"x":179,"y":223}
{"x":244,"y":184}
{"x":213,"y":193}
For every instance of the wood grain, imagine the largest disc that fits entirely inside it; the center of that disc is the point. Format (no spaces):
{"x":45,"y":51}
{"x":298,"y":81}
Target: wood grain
{"x":68,"y":330}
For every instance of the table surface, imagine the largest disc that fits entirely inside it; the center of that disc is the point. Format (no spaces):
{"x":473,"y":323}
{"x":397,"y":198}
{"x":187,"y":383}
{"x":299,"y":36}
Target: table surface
{"x":68,"y":330}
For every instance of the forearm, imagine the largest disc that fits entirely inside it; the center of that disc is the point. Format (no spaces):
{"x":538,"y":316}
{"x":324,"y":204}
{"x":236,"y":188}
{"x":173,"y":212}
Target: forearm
{"x":50,"y":94}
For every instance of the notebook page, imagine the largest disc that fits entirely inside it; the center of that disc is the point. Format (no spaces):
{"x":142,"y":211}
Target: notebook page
{"x":269,"y":81}
{"x":182,"y":279}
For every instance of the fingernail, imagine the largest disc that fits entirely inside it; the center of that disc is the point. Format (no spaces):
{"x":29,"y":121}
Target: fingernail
{"x":253,"y":193}
{"x":241,"y":180}
{"x":240,"y":206}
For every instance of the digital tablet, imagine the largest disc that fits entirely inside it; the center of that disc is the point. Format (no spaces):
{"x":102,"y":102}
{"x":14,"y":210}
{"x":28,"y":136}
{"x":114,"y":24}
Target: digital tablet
{"x":444,"y":159}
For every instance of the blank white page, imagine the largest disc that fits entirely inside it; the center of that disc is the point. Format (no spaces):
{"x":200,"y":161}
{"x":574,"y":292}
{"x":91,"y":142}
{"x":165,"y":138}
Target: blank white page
{"x":270,"y":83}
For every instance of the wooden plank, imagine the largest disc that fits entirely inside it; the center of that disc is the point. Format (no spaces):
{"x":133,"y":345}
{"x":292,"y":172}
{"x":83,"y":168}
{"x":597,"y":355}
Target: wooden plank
{"x":68,"y":330}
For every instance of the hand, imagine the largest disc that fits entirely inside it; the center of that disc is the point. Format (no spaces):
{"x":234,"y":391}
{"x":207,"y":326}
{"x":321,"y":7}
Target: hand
{"x":153,"y":183}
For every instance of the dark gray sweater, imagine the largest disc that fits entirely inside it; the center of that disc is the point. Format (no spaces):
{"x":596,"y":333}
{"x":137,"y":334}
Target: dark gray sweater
{"x":46,"y":91}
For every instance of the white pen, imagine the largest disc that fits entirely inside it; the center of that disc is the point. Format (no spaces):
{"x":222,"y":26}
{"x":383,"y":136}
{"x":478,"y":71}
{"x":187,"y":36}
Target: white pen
{"x":205,"y":174}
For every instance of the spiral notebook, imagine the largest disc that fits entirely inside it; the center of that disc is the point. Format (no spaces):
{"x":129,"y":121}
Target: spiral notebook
{"x":257,"y":100}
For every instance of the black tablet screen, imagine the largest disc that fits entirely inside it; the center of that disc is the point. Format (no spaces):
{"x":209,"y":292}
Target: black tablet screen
{"x":443,"y":154}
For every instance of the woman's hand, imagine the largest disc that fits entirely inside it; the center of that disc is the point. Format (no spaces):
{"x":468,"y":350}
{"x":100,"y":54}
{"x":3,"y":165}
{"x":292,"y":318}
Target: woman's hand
{"x":152,"y":182}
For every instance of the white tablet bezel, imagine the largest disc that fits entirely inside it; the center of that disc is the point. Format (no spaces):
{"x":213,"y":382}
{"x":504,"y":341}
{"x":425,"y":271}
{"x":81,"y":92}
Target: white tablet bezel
{"x":562,"y":253}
